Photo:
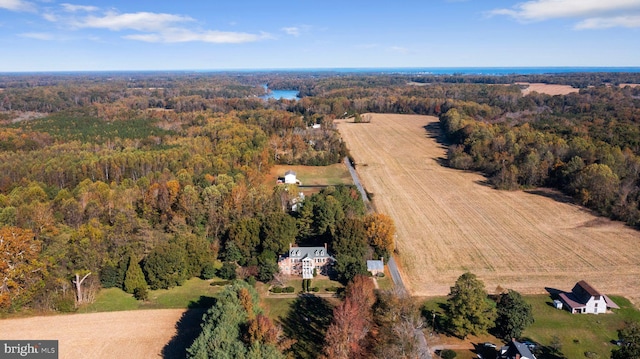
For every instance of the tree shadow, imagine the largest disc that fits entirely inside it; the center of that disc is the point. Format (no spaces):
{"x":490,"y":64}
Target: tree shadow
{"x":187,"y":328}
{"x":307,"y":322}
{"x":435,"y":132}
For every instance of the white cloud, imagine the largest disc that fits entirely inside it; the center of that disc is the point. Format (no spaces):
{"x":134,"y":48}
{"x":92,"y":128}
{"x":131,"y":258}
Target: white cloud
{"x":596,"y":13}
{"x":173,"y":35}
{"x":38,"y":35}
{"x":78,"y":8}
{"x":145,"y":26}
{"x":17,"y":5}
{"x":294,"y":31}
{"x":140,"y":21}
{"x":605,"y":23}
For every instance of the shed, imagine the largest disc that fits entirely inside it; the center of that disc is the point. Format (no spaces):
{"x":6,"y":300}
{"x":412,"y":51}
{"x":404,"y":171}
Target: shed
{"x":375,"y":266}
{"x":290,"y":177}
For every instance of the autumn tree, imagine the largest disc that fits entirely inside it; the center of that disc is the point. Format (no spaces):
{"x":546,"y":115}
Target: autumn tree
{"x":381,"y":232}
{"x":234,"y":327}
{"x":21,"y":271}
{"x":513,"y":315}
{"x":352,"y":321}
{"x":468,"y":307}
{"x":397,"y":321}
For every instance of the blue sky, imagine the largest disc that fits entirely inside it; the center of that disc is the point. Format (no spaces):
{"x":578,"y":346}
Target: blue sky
{"x":51,"y":35}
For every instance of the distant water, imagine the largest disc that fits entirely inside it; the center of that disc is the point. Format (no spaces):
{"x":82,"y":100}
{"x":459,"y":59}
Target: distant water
{"x":456,"y":70}
{"x":280,"y":94}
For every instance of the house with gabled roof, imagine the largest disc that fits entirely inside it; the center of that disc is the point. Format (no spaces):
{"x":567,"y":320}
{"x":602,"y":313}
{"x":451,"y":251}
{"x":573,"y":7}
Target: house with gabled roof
{"x":515,"y":350}
{"x":302,"y":261}
{"x":583,"y":298}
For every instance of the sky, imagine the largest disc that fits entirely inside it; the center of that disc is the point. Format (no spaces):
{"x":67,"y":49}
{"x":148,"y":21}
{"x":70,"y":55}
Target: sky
{"x":122,"y":35}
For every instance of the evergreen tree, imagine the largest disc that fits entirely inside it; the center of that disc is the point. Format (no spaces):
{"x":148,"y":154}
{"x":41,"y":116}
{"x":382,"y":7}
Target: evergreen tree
{"x":134,"y":278}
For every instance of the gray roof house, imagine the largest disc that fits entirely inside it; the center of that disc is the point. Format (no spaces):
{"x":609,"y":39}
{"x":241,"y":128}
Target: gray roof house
{"x":304,"y":260}
{"x":515,"y":350}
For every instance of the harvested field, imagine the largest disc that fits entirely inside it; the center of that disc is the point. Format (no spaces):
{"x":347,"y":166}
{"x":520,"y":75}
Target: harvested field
{"x":630,"y":85}
{"x":130,"y":334}
{"x":547,"y":88}
{"x":449,"y":221}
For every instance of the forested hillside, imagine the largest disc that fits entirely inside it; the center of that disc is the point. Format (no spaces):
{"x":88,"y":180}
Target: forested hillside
{"x":141,"y":181}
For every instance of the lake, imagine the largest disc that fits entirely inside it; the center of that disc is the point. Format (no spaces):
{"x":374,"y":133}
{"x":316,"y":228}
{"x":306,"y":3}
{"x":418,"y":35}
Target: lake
{"x":281,"y":94}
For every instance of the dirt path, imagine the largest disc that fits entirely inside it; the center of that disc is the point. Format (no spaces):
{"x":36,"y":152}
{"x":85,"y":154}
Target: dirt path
{"x":131,"y":334}
{"x":449,"y":221}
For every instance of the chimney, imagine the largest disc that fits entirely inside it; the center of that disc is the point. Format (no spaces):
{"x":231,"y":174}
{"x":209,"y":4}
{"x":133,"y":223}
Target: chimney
{"x":325,"y":246}
{"x":289,"y":245}
{"x":382,"y":260}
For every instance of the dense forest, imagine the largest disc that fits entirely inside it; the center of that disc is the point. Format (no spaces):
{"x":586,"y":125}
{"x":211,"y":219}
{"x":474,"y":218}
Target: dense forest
{"x":143,"y":180}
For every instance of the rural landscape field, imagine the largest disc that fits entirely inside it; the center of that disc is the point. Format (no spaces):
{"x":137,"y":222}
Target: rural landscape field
{"x":449,"y":221}
{"x":127,"y":334}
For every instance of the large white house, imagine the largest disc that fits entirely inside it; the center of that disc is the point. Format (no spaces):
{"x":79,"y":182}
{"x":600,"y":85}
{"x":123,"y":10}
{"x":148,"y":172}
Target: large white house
{"x":303,"y":260}
{"x":583,"y":298}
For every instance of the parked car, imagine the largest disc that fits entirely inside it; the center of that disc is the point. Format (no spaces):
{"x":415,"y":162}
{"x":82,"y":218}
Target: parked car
{"x":530,"y":345}
{"x":489,"y":345}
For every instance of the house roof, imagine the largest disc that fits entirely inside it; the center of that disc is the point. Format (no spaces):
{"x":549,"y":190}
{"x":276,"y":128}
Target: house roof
{"x":375,"y":265}
{"x":308,"y":252}
{"x":514,"y":347}
{"x":588,"y":288}
{"x":571,"y":300}
{"x":289,"y":173}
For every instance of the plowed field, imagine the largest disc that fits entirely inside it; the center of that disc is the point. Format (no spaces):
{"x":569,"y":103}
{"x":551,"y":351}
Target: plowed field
{"x":449,"y":221}
{"x":130,"y":334}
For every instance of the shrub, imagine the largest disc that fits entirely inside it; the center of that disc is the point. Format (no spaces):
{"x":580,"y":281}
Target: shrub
{"x":331,"y":289}
{"x":220,"y":283}
{"x":227,"y":271}
{"x":380,"y":275}
{"x":141,"y":293}
{"x":448,"y":354}
{"x":315,"y":289}
{"x":252,"y":281}
{"x":276,"y":290}
{"x":208,"y":271}
{"x":289,"y":289}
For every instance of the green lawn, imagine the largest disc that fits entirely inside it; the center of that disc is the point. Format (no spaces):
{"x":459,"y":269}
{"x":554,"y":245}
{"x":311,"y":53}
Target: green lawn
{"x":194,"y":292}
{"x":321,"y":282}
{"x":314,"y":175}
{"x":577,"y":333}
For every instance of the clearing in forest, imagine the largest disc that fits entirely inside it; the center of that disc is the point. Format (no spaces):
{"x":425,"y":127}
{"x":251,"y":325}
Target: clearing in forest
{"x":450,"y":221}
{"x":549,"y":89}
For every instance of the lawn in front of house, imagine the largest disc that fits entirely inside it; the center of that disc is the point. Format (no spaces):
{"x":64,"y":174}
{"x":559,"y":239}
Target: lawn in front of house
{"x":575,"y":333}
{"x":195,"y":292}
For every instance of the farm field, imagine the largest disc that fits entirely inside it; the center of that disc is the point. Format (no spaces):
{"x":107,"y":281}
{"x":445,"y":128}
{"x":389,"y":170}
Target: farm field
{"x":548,"y":89}
{"x":449,"y":221}
{"x":128,"y":334}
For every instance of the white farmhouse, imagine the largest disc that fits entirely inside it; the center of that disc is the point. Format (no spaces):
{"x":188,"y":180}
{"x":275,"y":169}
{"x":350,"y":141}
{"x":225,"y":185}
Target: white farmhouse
{"x":583,"y":298}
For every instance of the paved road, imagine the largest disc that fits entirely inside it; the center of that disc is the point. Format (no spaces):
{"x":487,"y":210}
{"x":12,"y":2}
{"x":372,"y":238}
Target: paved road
{"x":393,"y":268}
{"x":356,"y":181}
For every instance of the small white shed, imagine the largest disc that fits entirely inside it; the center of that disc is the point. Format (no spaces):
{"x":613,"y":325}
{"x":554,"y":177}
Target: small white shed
{"x":290,"y":177}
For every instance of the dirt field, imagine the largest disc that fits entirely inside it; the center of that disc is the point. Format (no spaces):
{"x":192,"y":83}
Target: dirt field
{"x":449,"y":221}
{"x":630,"y":85}
{"x":131,"y":334}
{"x":546,"y":88}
